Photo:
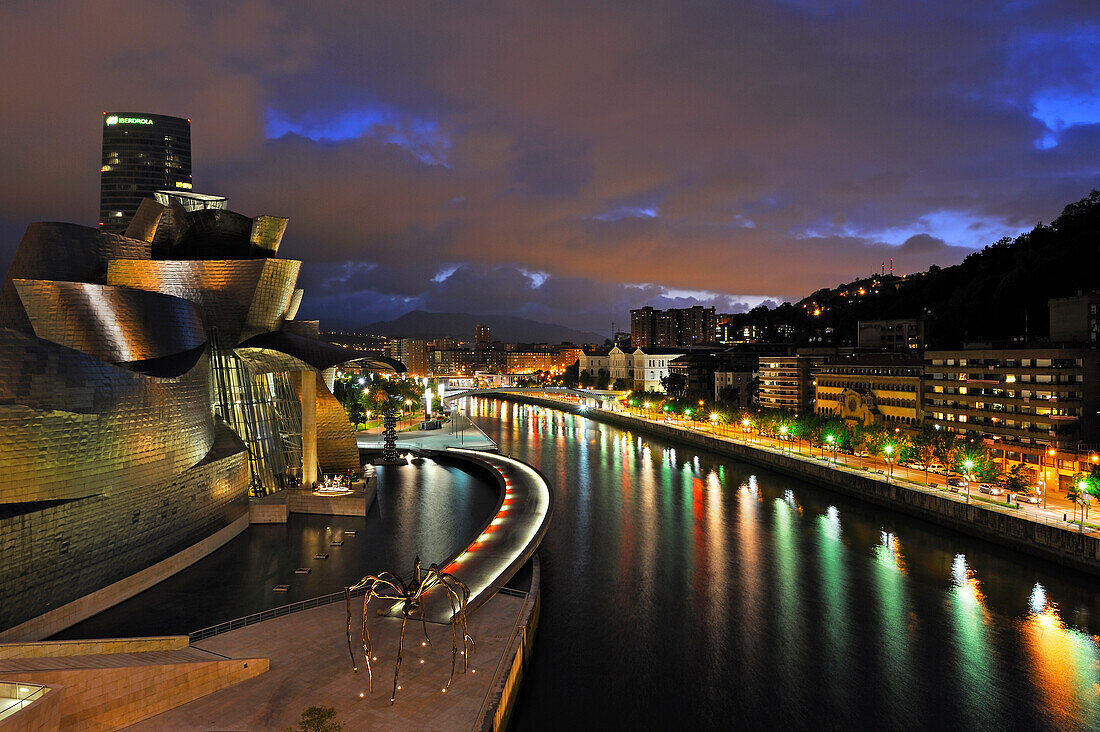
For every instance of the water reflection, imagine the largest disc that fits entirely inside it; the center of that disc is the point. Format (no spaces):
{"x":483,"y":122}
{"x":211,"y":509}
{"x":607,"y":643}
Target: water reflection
{"x":1064,"y":663}
{"x":681,"y":591}
{"x":431,"y":509}
{"x":972,"y":624}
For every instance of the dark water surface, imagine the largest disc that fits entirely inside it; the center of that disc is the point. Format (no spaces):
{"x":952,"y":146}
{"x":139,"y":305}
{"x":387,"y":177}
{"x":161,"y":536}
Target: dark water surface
{"x":687,"y":591}
{"x":432,"y":509}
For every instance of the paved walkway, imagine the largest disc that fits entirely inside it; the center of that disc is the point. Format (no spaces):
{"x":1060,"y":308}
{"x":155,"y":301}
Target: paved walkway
{"x":310,"y":666}
{"x":1057,"y":510}
{"x":1058,"y":506}
{"x":467,"y":436}
{"x":509,"y":539}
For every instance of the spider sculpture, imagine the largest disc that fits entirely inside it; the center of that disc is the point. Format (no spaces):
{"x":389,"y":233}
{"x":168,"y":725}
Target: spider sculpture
{"x":388,"y":586}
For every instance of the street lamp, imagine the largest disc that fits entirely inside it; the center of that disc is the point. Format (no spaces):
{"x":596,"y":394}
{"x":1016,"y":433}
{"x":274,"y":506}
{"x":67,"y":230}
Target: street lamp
{"x":968,"y":465}
{"x":714,"y":422}
{"x":1083,"y":499}
{"x":783,"y":431}
{"x":1046,"y":483}
{"x":832,"y":444}
{"x":746,"y":426}
{"x":889,"y":450}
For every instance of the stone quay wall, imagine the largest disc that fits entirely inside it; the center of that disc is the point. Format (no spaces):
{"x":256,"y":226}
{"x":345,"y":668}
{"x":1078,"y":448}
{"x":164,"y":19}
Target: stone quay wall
{"x":1048,"y":541}
{"x":500,"y":702}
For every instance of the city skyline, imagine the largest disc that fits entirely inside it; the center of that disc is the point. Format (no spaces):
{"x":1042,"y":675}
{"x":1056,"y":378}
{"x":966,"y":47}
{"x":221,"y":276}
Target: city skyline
{"x":567,"y":165}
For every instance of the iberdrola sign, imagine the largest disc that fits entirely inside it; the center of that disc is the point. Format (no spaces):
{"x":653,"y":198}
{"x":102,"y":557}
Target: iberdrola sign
{"x":114,"y":119}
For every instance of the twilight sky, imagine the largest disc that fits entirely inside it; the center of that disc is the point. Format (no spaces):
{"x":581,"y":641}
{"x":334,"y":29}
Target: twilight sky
{"x":566,"y":161}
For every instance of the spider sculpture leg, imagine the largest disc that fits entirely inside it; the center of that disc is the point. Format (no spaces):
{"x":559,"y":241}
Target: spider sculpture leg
{"x":466,"y":637}
{"x":453,"y":599}
{"x":400,"y":645}
{"x":424,"y":586}
{"x":367,"y":650}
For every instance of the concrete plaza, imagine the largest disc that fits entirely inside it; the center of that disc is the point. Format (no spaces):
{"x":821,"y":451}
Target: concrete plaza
{"x":310,"y":666}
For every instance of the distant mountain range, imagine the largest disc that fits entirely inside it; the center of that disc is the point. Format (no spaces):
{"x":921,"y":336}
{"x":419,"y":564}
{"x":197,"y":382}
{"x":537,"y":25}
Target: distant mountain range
{"x":420,"y":324}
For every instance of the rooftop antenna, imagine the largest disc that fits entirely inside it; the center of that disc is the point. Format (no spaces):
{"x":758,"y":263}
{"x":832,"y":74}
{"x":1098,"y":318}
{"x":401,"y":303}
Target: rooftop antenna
{"x":891,"y":266}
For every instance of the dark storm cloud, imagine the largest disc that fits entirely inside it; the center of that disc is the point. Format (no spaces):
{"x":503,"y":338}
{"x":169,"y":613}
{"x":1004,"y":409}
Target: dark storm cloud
{"x":347,"y":293}
{"x":752,"y":149}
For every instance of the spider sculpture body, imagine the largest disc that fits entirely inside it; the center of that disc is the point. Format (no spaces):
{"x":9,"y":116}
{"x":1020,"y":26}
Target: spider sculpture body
{"x":409,"y":596}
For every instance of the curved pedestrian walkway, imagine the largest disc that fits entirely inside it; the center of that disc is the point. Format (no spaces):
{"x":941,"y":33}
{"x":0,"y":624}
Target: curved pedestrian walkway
{"x":506,"y":541}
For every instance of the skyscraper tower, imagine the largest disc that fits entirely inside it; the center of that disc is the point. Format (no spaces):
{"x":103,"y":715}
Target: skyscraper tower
{"x":142,"y":153}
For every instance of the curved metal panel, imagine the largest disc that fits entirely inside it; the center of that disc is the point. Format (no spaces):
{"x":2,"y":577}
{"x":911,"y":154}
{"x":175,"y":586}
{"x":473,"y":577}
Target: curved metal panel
{"x":146,"y":220}
{"x":116,"y":324}
{"x":73,"y":426}
{"x":214,"y":233}
{"x":59,"y":251}
{"x":266,"y":361}
{"x":240,"y":298}
{"x":295,"y":303}
{"x":267,"y":235}
{"x":273,"y":293}
{"x":57,"y":553}
{"x":283,"y":351}
{"x":337,"y":450}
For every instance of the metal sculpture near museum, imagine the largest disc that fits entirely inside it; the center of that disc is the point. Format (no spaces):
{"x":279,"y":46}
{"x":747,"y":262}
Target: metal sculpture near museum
{"x":389,"y":436}
{"x":388,"y":586}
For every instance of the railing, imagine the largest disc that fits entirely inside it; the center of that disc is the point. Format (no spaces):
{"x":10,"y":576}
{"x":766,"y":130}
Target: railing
{"x":295,"y":607}
{"x":277,"y":612}
{"x":1028,"y":512}
{"x":20,"y":702}
{"x":1025,"y":511}
{"x":504,"y":656}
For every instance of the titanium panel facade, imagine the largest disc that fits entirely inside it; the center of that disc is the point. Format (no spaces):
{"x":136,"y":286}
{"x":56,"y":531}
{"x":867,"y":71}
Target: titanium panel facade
{"x":72,"y":425}
{"x":337,"y":450}
{"x":56,"y":553}
{"x":142,"y":398}
{"x":286,"y":351}
{"x":238,"y":298}
{"x":267,"y":235}
{"x":68,"y":252}
{"x":115,"y":324}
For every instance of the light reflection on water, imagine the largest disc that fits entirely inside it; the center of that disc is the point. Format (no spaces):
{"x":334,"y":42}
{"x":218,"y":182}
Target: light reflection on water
{"x":684,"y":590}
{"x":430,"y":509}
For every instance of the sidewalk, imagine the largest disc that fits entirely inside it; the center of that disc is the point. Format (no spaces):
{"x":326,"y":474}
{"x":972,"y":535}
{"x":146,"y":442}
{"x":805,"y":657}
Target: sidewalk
{"x":1052,"y":515}
{"x":459,"y":432}
{"x":310,"y":666}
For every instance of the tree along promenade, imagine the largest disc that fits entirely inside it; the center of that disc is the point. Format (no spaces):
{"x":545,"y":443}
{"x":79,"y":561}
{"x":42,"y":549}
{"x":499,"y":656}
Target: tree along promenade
{"x":1035,"y":531}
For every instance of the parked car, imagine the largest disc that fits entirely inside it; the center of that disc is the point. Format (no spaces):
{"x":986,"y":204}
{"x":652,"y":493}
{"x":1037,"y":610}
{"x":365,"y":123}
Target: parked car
{"x":956,"y":482}
{"x":991,"y":488}
{"x":937,"y":468}
{"x":1027,"y":498}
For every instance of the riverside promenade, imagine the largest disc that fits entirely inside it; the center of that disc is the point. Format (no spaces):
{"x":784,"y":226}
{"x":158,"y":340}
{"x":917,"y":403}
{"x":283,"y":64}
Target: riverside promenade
{"x":310,"y":666}
{"x":307,"y":648}
{"x":460,"y":432}
{"x":1034,"y":531}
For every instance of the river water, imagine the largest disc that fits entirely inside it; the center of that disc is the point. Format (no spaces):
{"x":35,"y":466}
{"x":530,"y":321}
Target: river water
{"x":431,"y":509}
{"x":682,"y":590}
